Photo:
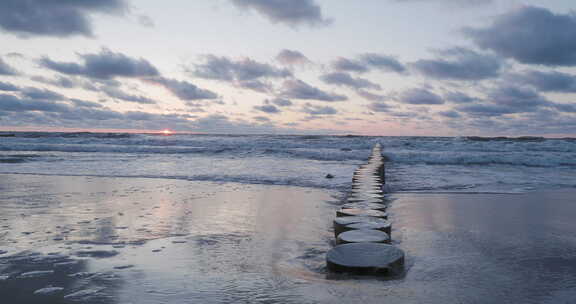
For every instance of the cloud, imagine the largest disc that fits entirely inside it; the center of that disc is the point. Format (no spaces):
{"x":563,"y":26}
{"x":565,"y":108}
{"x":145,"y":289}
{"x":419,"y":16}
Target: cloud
{"x":8,"y":87}
{"x":104,"y":65}
{"x":6,"y":69}
{"x":58,"y":18}
{"x":459,"y":97}
{"x":547,"y":81}
{"x":146,"y":21}
{"x":486,"y":110}
{"x":344,"y":79}
{"x":450,"y":114}
{"x":222,"y":68}
{"x":460,"y":64}
{"x":379,"y":107}
{"x":454,"y":2}
{"x":244,"y":73}
{"x":41,"y":94}
{"x":11,"y":103}
{"x":371,"y":96}
{"x":289,"y":12}
{"x":522,"y":99}
{"x":383,"y":62}
{"x":117,"y":93}
{"x":318,"y":110}
{"x":270,"y":109}
{"x":58,"y":81}
{"x":281,"y":102}
{"x":504,"y":100}
{"x":420,"y":96}
{"x":298,"y":89}
{"x":530,"y":35}
{"x":342,"y":64}
{"x":256,"y":85}
{"x":292,"y":57}
{"x":183,"y":89}
{"x":261,"y":118}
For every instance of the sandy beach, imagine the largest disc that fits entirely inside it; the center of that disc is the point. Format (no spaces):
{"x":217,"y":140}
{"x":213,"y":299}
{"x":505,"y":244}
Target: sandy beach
{"x":129,"y":240}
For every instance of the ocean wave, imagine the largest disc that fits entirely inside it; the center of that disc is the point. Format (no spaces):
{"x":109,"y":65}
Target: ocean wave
{"x":18,"y":158}
{"x":461,"y":158}
{"x":233,"y":151}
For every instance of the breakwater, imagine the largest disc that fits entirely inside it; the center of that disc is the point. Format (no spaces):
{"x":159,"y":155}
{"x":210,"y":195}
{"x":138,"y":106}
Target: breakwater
{"x":361,"y":228}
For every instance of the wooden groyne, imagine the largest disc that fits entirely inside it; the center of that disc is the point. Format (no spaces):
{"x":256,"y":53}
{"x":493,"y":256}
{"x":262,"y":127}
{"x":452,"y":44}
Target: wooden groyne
{"x":361,"y":227}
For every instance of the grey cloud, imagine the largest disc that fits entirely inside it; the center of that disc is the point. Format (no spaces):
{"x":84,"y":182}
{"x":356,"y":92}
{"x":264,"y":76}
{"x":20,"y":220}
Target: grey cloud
{"x":371,"y":96}
{"x":183,"y":89}
{"x":319,"y":110}
{"x":530,"y":35}
{"x":461,"y":64}
{"x":298,"y":89}
{"x":41,"y":94}
{"x":420,"y":96}
{"x":59,"y":18}
{"x":383,"y":62}
{"x":8,"y":87}
{"x":146,"y":21}
{"x":11,"y":103}
{"x":344,"y":79}
{"x":104,"y":65}
{"x":455,"y":2}
{"x":292,"y":57}
{"x":379,"y":107}
{"x":245,"y":73}
{"x":270,"y":109}
{"x":486,"y":110}
{"x":507,"y":100}
{"x":85,"y":103}
{"x":6,"y":69}
{"x":281,"y":102}
{"x":117,"y":93}
{"x":289,"y":12}
{"x":349,"y":65}
{"x":256,"y":85}
{"x":261,"y":118}
{"x":221,"y":124}
{"x":58,"y":81}
{"x":450,"y":114}
{"x":459,"y":97}
{"x":225,"y":69}
{"x":522,"y":99}
{"x":547,"y":81}
{"x":564,"y":107}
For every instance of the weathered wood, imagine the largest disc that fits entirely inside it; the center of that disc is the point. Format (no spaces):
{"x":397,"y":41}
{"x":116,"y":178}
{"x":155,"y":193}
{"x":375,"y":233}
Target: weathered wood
{"x":362,"y":236}
{"x":366,"y":258}
{"x":361,"y":212}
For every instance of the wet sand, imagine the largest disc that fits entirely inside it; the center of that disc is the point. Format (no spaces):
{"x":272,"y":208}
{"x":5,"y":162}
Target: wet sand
{"x":125,"y":240}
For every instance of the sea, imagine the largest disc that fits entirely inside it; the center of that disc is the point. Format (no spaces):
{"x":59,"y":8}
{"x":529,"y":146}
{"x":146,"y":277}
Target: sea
{"x":415,"y":164}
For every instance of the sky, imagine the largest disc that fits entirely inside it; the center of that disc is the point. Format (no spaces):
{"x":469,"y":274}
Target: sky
{"x":371,"y":67}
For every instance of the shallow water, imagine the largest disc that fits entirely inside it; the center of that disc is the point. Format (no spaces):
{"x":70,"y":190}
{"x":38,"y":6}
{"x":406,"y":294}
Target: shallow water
{"x":125,"y":240}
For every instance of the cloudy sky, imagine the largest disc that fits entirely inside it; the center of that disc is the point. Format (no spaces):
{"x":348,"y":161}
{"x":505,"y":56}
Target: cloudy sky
{"x":373,"y":67}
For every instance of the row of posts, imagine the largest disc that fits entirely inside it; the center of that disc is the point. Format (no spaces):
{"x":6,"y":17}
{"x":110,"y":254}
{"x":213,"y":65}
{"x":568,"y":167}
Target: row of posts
{"x":362,"y":229}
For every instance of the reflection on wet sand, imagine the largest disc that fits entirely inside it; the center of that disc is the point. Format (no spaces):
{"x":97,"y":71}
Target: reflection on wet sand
{"x":156,"y":240}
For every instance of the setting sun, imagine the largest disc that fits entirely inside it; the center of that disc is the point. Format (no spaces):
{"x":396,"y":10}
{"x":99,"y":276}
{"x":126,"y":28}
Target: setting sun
{"x":167,"y":132}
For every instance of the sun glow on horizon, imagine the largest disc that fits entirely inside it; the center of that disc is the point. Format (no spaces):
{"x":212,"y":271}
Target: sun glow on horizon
{"x":167,"y":132}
